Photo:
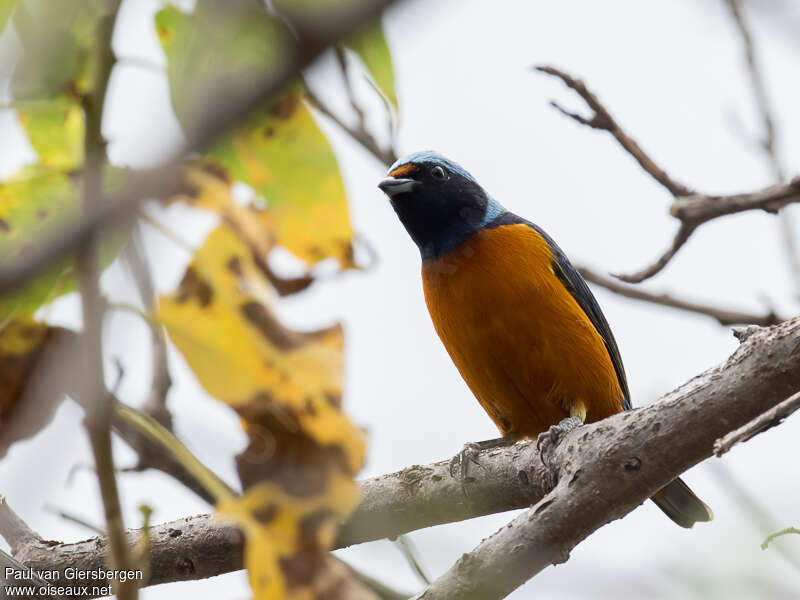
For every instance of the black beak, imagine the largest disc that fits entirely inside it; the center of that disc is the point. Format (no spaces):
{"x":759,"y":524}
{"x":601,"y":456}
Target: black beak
{"x":392,"y":186}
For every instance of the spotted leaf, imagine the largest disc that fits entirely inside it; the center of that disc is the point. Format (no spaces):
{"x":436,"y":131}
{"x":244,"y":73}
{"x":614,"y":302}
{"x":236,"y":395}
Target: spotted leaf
{"x":286,"y":385}
{"x":282,"y":154}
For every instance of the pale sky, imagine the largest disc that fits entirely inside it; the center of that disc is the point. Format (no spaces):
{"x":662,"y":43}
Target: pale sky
{"x":672,"y":73}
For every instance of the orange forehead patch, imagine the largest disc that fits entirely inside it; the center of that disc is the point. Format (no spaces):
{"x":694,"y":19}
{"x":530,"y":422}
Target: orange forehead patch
{"x":404,"y":170}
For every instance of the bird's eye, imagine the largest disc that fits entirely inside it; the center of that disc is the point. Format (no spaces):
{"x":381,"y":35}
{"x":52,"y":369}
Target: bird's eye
{"x":438,"y":173}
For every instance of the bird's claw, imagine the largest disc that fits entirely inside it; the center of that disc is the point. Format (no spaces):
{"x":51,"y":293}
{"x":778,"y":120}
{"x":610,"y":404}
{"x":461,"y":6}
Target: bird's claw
{"x":547,"y":441}
{"x":460,"y":462}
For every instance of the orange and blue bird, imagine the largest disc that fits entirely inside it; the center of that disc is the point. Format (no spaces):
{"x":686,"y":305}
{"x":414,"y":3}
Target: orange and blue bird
{"x":515,"y":316}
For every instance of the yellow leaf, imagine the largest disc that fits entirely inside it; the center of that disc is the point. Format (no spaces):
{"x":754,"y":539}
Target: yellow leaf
{"x":298,"y":468}
{"x":284,"y":532}
{"x":243,"y":356}
{"x":282,"y":154}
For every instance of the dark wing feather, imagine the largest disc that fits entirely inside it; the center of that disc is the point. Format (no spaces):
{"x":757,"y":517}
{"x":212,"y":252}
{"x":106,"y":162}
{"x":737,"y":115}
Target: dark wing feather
{"x":579,"y":290}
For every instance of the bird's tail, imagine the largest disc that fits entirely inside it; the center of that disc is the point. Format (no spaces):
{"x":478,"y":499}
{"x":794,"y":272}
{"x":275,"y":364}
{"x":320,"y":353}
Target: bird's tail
{"x":681,"y":505}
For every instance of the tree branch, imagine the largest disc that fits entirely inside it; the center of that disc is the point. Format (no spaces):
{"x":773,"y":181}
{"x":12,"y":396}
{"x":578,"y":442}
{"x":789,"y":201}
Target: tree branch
{"x":690,"y":208}
{"x":14,"y":530}
{"x":760,"y":424}
{"x":722,"y":315}
{"x":602,"y":472}
{"x":608,"y":468}
{"x":602,"y":119}
{"x":700,"y":208}
{"x":98,"y":409}
{"x":768,"y":143}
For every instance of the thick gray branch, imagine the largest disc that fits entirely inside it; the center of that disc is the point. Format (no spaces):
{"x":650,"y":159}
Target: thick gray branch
{"x":607,"y":469}
{"x":603,"y":471}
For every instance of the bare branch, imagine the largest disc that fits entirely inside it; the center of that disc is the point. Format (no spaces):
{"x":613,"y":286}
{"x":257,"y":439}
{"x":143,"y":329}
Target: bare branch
{"x":154,"y":456}
{"x":600,"y":480}
{"x":722,"y":315}
{"x":98,"y":406}
{"x":681,"y":237}
{"x":603,"y":471}
{"x":691,"y":208}
{"x":767,"y":420}
{"x":409,"y":552}
{"x":698,"y":209}
{"x":359,"y":134}
{"x":156,"y":403}
{"x":602,"y":119}
{"x":14,"y":530}
{"x":73,"y":519}
{"x":769,"y":141}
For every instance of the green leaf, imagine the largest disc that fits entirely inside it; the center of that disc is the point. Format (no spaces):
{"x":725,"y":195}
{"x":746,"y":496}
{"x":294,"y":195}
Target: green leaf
{"x":33,"y":204}
{"x":55,"y":129}
{"x":58,"y":40}
{"x":370,"y":45}
{"x":281,"y":152}
{"x":215,"y":53}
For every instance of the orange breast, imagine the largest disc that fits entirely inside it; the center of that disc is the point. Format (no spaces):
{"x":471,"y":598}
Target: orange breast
{"x":519,"y":339}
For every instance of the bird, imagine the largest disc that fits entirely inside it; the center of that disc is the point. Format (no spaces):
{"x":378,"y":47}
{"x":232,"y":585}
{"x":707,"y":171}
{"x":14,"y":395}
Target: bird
{"x":520,"y":323}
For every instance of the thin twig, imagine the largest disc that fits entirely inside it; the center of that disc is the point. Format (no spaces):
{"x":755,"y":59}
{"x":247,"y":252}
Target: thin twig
{"x":768,"y":143}
{"x":73,"y":519}
{"x":156,"y":403}
{"x":341,"y":59}
{"x":765,"y":421}
{"x":681,"y":237}
{"x":722,"y":315}
{"x":409,"y":552}
{"x":383,"y":591}
{"x":692,"y":209}
{"x":360,"y":134}
{"x":602,"y":119}
{"x":98,"y":406}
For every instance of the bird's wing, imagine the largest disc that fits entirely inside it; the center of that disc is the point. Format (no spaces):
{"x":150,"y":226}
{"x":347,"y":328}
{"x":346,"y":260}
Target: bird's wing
{"x":576,"y":285}
{"x":579,"y":290}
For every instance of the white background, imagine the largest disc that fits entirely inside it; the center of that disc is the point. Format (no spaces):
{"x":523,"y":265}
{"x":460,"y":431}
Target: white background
{"x":673,"y":75}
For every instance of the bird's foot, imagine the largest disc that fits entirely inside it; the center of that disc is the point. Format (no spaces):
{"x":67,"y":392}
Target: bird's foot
{"x":459,"y":464}
{"x":547,"y":441}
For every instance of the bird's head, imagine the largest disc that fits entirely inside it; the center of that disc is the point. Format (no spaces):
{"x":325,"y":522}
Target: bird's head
{"x":438,"y":202}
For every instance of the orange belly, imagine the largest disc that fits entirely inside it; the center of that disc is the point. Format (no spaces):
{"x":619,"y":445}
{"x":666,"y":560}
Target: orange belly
{"x":517,"y":336}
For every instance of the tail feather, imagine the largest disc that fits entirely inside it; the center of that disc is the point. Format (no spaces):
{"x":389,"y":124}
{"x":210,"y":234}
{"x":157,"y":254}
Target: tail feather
{"x":681,"y":505}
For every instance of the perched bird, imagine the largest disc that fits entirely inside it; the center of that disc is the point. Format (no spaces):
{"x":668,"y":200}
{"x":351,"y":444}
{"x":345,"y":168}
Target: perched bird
{"x":518,"y":320}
